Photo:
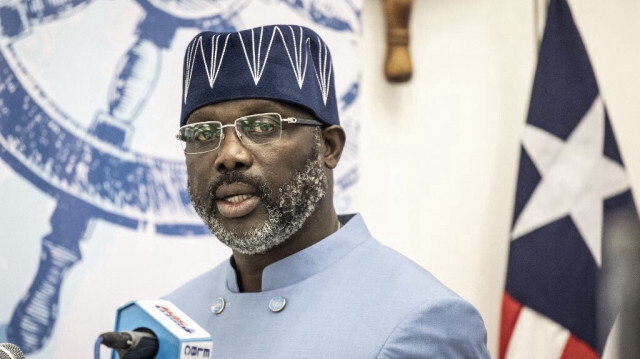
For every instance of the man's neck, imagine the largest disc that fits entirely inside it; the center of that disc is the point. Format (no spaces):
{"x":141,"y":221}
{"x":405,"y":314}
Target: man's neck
{"x":249,"y":268}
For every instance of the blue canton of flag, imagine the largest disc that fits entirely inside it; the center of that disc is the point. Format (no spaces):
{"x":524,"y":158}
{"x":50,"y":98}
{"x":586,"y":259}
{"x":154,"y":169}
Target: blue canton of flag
{"x":572,"y":188}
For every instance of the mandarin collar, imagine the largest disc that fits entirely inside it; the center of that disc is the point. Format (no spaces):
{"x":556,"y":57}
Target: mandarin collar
{"x":311,"y":260}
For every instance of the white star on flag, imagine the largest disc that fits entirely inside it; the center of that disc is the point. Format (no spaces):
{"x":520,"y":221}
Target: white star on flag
{"x":576,"y":177}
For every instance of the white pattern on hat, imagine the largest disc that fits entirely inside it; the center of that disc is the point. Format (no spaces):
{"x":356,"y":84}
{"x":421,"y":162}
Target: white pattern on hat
{"x":324,"y":77}
{"x":298,"y":69}
{"x":256,"y":67}
{"x":213,"y":69}
{"x":189,"y":62}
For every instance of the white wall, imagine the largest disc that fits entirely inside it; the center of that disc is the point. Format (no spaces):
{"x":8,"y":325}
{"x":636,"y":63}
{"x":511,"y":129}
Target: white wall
{"x":440,"y":153}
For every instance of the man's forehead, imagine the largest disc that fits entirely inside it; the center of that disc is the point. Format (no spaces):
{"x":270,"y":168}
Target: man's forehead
{"x":230,"y":110}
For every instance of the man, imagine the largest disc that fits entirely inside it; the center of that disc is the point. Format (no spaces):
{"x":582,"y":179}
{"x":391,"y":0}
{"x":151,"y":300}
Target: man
{"x":261,"y":134}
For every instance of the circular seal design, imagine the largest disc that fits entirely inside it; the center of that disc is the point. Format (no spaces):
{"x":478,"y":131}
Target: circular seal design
{"x":76,"y":121}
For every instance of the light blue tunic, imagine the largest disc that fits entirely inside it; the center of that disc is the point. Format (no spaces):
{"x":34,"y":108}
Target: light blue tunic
{"x":347,"y":296}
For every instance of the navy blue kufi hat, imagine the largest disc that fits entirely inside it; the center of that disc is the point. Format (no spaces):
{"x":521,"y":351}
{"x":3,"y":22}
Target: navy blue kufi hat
{"x":287,"y":63}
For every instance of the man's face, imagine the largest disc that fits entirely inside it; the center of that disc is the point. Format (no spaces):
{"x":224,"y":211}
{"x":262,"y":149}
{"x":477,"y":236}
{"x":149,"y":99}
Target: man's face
{"x":254,"y":197}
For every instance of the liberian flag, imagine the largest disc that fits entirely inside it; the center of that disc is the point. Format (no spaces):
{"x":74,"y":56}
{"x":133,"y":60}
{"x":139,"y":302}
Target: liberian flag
{"x":571,"y":198}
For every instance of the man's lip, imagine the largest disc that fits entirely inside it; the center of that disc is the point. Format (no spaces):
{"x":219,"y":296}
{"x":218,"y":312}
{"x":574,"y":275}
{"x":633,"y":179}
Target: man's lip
{"x":237,"y":206}
{"x":234,"y":189}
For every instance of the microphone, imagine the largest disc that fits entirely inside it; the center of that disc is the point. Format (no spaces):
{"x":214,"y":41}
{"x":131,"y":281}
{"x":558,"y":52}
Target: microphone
{"x":130,"y":345}
{"x":147,"y":329}
{"x":10,"y":351}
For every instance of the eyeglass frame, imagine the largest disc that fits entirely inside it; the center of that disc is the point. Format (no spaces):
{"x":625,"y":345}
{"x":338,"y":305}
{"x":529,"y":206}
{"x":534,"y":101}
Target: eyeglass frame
{"x":291,"y":120}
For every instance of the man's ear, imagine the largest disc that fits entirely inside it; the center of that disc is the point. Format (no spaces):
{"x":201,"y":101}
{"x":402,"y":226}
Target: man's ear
{"x":333,"y":143}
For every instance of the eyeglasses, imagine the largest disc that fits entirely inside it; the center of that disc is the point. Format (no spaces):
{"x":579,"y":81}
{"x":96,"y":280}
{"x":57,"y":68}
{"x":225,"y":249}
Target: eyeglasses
{"x":259,"y":129}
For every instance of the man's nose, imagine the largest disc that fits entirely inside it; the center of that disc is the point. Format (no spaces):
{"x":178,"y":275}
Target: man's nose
{"x":232,"y":154}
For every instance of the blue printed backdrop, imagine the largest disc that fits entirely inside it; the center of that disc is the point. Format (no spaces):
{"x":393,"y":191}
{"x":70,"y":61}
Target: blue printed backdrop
{"x":94,"y":210}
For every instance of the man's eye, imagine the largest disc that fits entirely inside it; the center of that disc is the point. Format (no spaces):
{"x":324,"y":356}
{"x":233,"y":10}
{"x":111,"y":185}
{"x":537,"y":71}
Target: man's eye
{"x":260,"y":127}
{"x":204,"y":135}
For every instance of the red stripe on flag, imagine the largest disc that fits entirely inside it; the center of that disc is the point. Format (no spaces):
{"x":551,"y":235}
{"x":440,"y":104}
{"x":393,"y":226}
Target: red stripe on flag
{"x":510,"y":312}
{"x":577,"y":349}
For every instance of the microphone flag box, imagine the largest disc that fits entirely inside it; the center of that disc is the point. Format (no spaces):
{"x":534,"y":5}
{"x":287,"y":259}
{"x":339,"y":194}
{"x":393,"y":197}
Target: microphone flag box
{"x":179,"y":337}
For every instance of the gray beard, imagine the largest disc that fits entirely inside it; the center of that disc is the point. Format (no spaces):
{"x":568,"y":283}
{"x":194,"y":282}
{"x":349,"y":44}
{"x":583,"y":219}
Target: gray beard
{"x":286,"y":214}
